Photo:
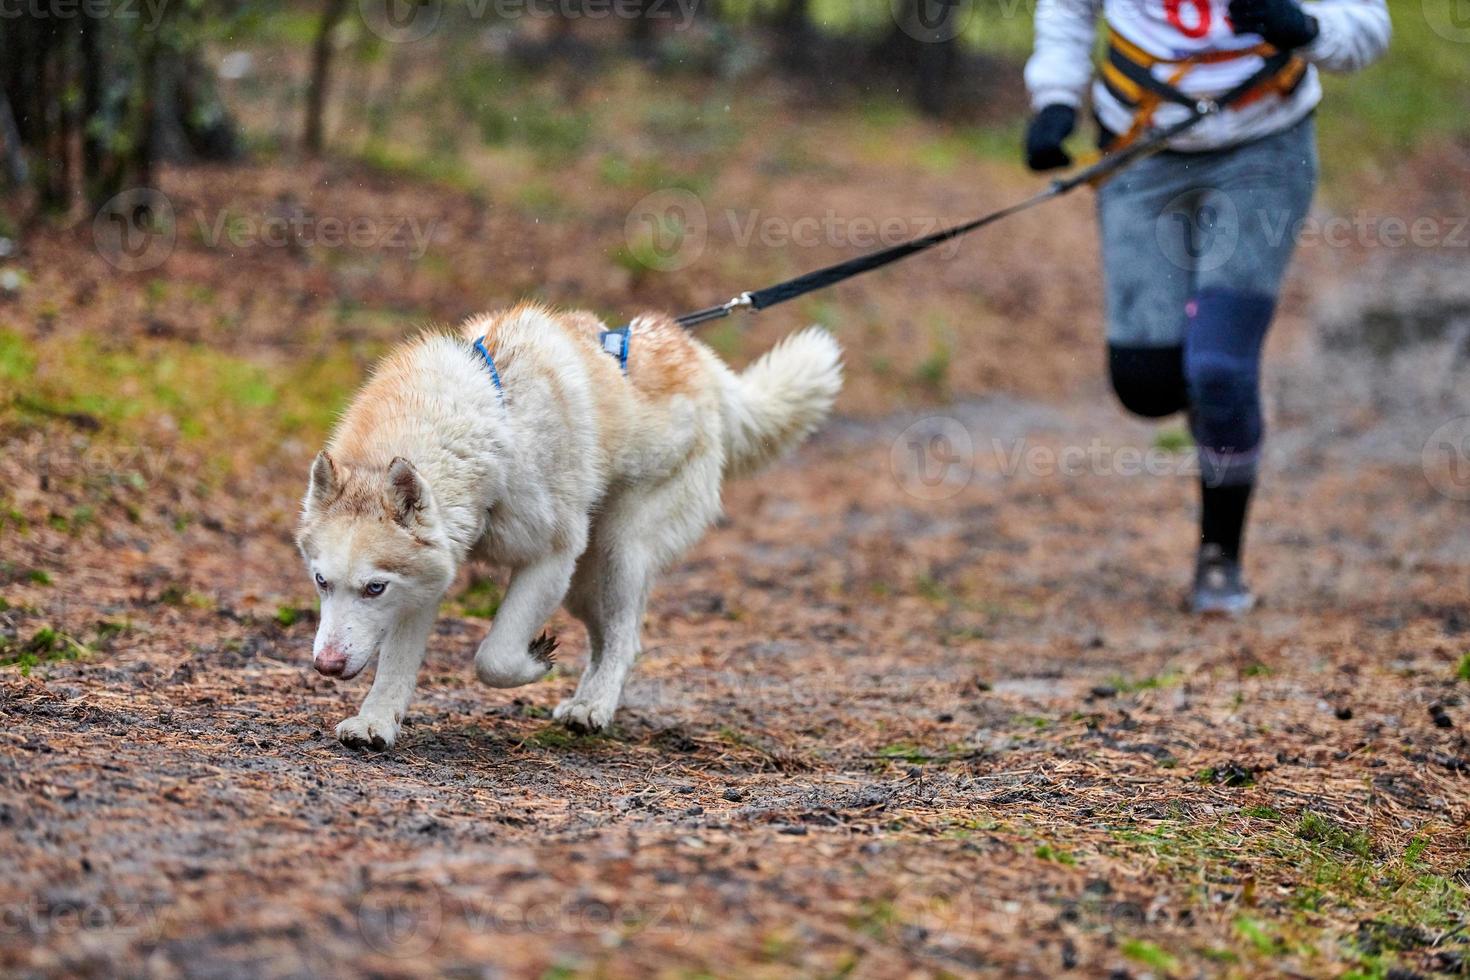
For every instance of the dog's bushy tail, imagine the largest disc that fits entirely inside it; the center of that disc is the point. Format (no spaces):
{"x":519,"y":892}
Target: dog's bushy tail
{"x":780,"y":399}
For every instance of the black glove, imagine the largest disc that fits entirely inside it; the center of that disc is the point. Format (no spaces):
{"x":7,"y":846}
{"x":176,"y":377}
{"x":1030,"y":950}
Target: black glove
{"x":1283,"y":23}
{"x":1048,"y":130}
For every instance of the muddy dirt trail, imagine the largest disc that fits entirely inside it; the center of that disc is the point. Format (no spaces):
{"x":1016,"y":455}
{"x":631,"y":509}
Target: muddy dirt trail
{"x":891,"y":720}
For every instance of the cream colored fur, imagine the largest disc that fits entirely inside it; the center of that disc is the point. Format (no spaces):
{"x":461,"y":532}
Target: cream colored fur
{"x":583,"y":481}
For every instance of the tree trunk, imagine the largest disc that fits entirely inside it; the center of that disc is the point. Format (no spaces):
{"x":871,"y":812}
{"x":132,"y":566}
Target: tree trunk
{"x":795,"y":26}
{"x":143,"y":122}
{"x":796,"y":16}
{"x":100,"y":175}
{"x":34,"y":49}
{"x":924,"y":46}
{"x":15,"y":156}
{"x":321,"y":70}
{"x":641,"y":32}
{"x":935,"y":77}
{"x":205,"y":124}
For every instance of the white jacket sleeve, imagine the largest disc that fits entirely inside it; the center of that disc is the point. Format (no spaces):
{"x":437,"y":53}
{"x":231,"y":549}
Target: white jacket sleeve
{"x":1352,"y":33}
{"x":1060,"y":67}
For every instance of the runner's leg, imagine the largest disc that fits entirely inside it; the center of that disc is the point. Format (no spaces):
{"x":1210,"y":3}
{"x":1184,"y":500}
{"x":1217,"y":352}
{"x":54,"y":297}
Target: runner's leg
{"x":1255,"y":198}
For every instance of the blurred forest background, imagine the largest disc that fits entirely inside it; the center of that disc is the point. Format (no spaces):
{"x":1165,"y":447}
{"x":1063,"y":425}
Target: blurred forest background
{"x":100,"y":94}
{"x":526,"y":130}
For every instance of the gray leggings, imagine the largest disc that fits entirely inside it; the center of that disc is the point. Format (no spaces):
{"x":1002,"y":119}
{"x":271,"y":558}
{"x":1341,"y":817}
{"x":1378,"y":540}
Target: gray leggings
{"x":1194,"y":249}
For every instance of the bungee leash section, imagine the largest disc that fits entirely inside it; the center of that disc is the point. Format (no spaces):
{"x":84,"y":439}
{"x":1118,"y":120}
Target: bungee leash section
{"x":1108,"y":166}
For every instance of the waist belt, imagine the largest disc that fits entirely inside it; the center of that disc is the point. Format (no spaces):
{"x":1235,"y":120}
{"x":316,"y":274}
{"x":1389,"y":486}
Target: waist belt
{"x":1128,"y":74}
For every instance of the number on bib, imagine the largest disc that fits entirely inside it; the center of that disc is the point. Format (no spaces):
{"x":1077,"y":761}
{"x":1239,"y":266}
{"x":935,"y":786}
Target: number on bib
{"x":1202,"y":16}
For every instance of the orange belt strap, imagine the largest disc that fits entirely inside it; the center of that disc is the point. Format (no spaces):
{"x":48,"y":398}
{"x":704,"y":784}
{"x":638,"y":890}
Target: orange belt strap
{"x":1128,"y":71}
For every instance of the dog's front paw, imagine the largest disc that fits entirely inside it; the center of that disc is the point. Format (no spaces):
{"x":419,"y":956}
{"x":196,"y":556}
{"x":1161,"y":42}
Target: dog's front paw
{"x":368,"y":732}
{"x":584,"y":715}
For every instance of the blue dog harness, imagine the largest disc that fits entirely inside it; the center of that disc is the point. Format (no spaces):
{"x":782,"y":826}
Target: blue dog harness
{"x":490,"y":366}
{"x":614,"y":342}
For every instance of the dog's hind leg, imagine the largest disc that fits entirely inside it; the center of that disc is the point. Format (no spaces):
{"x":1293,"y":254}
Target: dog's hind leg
{"x":636,"y":536}
{"x":609,"y":594}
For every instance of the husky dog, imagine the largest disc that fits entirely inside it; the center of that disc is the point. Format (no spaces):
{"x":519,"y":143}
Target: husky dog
{"x":520,"y":439}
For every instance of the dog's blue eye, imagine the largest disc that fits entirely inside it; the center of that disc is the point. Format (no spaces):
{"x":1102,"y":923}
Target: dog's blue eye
{"x":374,"y":589}
{"x":321,"y":583}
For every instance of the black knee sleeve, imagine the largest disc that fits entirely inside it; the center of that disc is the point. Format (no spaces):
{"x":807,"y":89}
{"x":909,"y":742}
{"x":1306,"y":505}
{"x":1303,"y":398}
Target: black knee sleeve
{"x":1149,"y":381}
{"x":1223,"y":365}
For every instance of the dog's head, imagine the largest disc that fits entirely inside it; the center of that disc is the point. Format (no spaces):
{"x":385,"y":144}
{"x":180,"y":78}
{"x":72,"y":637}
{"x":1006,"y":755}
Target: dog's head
{"x":373,"y":546}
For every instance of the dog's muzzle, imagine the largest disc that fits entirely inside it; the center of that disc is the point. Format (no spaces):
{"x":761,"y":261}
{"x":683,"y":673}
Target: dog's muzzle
{"x":331,"y":661}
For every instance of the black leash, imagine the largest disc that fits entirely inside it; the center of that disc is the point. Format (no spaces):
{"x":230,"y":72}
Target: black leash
{"x":1109,"y":165}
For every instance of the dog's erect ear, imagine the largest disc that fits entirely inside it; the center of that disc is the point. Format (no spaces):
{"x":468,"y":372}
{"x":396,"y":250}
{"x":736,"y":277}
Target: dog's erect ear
{"x":325,"y":484}
{"x":407,"y":493}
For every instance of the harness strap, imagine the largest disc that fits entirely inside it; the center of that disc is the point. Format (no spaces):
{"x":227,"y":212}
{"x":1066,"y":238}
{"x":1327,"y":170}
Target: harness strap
{"x":1137,"y":54}
{"x":484,"y":353}
{"x":615,"y":342}
{"x":1128,"y":74}
{"x":1145,"y":83}
{"x":1147,"y":105}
